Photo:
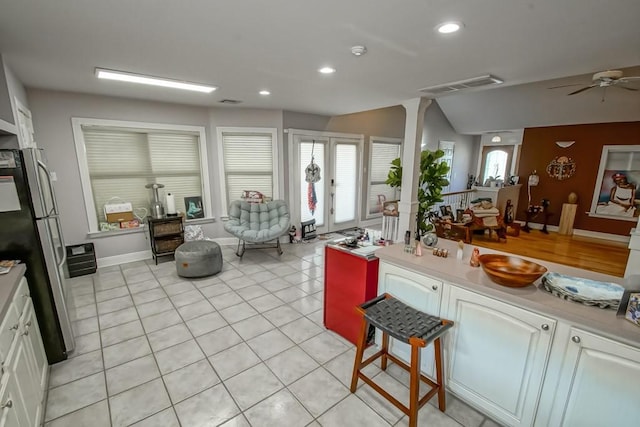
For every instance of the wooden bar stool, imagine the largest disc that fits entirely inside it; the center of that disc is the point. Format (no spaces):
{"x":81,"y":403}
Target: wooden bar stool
{"x":409,"y":325}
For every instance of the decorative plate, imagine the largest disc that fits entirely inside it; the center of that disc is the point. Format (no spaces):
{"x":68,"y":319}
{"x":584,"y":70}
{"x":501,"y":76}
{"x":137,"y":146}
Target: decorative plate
{"x":585,"y":291}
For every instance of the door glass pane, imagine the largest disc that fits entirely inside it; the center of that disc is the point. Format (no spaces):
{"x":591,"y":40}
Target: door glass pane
{"x":345,"y":183}
{"x":305,"y":189}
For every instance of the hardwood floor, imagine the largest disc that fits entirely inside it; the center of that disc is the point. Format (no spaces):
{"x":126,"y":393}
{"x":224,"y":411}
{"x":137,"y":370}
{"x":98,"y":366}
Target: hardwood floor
{"x":599,"y":255}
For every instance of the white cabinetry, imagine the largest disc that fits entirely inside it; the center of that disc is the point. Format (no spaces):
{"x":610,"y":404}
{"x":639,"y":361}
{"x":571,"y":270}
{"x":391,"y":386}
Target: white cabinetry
{"x":420,"y":292}
{"x":497,"y":355}
{"x":24,"y":363}
{"x":598,"y":384}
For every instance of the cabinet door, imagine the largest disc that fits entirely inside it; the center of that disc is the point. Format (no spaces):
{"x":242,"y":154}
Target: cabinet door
{"x":418,"y":291}
{"x":598,"y":383}
{"x":12,"y":413}
{"x":498,"y":356}
{"x":35,"y":348}
{"x":26,"y":393}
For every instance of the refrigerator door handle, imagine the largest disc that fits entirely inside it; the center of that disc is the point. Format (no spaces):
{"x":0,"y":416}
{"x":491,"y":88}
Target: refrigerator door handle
{"x":51,"y":190}
{"x":63,"y":258}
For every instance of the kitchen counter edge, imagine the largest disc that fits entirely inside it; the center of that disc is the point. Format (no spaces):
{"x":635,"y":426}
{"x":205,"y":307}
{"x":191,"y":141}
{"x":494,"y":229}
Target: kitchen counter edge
{"x":8,"y":284}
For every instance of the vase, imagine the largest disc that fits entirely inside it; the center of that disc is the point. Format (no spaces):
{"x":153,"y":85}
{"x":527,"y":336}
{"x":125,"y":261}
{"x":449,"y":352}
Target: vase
{"x":430,"y":239}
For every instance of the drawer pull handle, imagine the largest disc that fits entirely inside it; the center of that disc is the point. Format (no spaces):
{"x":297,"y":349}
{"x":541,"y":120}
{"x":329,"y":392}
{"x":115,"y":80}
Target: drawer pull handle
{"x":7,"y":404}
{"x":14,"y":327}
{"x":434,"y":287}
{"x":25,"y":295}
{"x":575,"y":339}
{"x":28,"y":324}
{"x":545,"y":327}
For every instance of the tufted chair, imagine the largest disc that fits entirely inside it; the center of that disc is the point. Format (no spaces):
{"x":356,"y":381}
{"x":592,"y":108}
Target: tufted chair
{"x":258,"y":223}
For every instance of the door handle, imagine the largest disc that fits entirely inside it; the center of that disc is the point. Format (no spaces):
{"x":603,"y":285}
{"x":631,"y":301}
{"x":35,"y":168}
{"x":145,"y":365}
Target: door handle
{"x":332,"y":197}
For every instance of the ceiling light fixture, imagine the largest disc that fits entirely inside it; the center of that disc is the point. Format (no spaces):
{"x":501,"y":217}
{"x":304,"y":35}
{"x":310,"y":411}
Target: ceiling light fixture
{"x":327,"y":70}
{"x":122,"y":76}
{"x":449,"y":27}
{"x":264,"y":92}
{"x":565,"y":144}
{"x":496,"y":139}
{"x":358,"y":50}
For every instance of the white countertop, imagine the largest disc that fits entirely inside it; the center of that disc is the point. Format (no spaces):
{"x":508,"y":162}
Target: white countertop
{"x":8,"y":285}
{"x":533,"y":297}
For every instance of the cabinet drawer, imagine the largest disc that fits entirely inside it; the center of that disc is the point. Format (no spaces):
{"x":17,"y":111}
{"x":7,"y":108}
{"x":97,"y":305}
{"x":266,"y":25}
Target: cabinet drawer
{"x":21,"y":296}
{"x":8,"y":330}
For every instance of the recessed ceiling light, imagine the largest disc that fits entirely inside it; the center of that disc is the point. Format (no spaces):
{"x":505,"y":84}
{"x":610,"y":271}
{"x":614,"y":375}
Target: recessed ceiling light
{"x":264,"y":92}
{"x":449,"y":27}
{"x":327,"y":70}
{"x":153,"y":81}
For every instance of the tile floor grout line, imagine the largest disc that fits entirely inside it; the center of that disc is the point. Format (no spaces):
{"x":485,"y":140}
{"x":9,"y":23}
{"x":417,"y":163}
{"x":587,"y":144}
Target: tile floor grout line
{"x":104,"y":369}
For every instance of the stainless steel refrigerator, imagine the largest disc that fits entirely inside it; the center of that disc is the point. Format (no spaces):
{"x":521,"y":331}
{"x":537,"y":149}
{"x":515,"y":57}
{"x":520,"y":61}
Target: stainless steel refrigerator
{"x":30,"y":231}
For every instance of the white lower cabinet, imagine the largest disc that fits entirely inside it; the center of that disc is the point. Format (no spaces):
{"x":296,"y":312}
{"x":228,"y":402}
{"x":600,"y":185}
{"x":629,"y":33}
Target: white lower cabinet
{"x":598,"y":383}
{"x":12,"y":413}
{"x":24,"y":364}
{"x":497,"y":355}
{"x":418,"y":291}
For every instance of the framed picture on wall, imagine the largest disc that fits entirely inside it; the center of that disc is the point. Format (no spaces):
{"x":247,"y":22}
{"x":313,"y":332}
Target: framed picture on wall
{"x":193,"y":206}
{"x":615,"y":194}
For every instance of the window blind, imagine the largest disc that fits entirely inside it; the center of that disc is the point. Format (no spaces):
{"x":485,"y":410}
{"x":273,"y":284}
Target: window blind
{"x":248,"y":163}
{"x":381,"y":156}
{"x":121,"y":163}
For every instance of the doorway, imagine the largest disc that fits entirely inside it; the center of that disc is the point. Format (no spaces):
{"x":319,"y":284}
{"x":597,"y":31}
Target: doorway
{"x":334,"y":200}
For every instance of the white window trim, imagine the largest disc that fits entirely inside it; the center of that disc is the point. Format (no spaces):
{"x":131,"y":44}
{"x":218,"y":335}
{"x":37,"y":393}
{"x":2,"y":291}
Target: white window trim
{"x":275,"y":154}
{"x":380,"y":139}
{"x":78,"y":122}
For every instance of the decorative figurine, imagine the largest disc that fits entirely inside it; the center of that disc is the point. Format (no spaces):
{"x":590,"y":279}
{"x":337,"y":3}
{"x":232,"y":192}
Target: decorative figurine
{"x":475,"y":258}
{"x":460,"y":252}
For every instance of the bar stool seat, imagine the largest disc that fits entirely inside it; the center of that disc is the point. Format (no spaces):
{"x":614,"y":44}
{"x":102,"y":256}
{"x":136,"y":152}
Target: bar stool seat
{"x":413,"y":327}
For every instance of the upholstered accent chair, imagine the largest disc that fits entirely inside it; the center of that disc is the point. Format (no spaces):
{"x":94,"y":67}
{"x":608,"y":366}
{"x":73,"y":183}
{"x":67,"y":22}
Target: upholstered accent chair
{"x":258,"y":223}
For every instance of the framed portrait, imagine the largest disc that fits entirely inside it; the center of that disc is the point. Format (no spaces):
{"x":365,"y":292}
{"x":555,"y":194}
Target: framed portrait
{"x":630,"y":306}
{"x":446,"y":212}
{"x":615,"y":194}
{"x":459,"y":215}
{"x":390,"y":208}
{"x":193,"y":206}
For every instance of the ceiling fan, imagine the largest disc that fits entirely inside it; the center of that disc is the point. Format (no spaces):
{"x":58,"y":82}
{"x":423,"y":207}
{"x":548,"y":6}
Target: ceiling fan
{"x":604,"y":79}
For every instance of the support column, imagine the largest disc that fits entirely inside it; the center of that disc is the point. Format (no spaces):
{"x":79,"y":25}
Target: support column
{"x":414,"y":124}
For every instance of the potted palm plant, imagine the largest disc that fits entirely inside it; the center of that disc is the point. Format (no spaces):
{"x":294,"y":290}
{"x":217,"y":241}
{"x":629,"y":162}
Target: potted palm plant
{"x":431,"y":181}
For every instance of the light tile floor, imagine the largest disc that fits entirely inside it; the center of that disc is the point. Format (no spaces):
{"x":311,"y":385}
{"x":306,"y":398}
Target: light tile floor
{"x":246,"y":347}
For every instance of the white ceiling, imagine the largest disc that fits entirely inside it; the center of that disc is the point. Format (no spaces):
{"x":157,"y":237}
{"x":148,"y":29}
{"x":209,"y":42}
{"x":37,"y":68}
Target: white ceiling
{"x":243,"y":46}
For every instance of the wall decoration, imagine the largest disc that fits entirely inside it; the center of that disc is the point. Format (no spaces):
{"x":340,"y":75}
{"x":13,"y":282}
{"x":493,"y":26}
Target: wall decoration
{"x":561,"y":168}
{"x":194,"y":207}
{"x":618,"y":177}
{"x":629,"y":307}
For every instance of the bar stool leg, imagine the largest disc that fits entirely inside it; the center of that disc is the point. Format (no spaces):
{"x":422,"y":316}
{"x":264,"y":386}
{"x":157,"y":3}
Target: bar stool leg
{"x":439,"y":376}
{"x":385,"y":350}
{"x":414,"y":386}
{"x":359,"y":354}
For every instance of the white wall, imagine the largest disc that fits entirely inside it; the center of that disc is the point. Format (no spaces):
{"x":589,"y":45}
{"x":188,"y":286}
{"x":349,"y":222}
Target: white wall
{"x":437,"y":128}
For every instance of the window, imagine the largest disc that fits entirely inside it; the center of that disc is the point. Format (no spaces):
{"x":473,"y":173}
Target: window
{"x":250,"y":162}
{"x":118,"y":159}
{"x":381,"y":153}
{"x":447,"y":147}
{"x":496,"y":162}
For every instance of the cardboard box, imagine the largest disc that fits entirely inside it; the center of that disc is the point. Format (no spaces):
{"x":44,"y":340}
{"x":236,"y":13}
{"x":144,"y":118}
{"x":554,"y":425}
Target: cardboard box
{"x":134,"y":223}
{"x":119,"y":216}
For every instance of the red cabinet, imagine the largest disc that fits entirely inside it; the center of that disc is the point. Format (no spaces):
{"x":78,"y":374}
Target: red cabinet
{"x":349,"y":280}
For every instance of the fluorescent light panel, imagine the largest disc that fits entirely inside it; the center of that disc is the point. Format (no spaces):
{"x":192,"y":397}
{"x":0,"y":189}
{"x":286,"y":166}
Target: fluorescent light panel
{"x":122,"y":76}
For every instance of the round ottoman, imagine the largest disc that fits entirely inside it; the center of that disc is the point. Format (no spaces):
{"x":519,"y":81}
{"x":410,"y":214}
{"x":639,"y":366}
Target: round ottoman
{"x":198,"y":258}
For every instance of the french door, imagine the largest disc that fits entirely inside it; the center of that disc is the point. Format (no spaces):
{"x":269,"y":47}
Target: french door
{"x":334,"y":201}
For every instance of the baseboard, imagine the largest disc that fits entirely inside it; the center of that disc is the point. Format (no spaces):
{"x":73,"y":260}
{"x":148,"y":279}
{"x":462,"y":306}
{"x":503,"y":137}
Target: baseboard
{"x":604,"y":236}
{"x":584,"y":233}
{"x":124,"y":258}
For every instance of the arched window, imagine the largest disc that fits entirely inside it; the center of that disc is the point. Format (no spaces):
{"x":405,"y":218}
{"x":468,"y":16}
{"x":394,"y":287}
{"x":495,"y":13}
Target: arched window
{"x":496,"y":162}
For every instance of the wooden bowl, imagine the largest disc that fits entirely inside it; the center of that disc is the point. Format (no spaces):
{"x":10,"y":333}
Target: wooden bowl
{"x":511,"y":271}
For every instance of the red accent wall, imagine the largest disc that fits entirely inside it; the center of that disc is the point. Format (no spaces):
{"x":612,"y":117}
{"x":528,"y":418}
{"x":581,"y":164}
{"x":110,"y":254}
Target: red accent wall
{"x":539,"y":148}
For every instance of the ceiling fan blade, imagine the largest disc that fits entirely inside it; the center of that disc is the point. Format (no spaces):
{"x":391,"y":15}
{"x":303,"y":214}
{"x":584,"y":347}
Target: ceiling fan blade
{"x":626,"y":79}
{"x":583,"y":89}
{"x":557,"y":87}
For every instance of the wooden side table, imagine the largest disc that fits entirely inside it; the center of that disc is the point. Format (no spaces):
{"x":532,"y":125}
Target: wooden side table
{"x":533,"y":215}
{"x":165,"y":235}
